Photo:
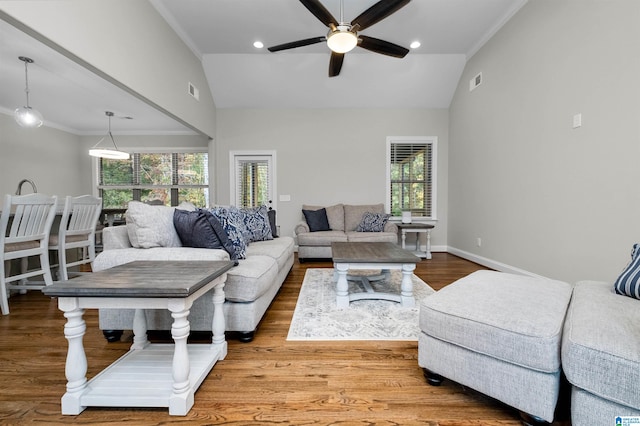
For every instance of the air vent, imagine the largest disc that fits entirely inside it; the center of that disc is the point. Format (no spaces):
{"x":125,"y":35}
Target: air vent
{"x":193,"y":91}
{"x":475,"y":82}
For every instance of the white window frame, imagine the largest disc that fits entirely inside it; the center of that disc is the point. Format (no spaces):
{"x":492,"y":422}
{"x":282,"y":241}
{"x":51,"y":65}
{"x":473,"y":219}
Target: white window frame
{"x":268,"y":155}
{"x":433,"y":140}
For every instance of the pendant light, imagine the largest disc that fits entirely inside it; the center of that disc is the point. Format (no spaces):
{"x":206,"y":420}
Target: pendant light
{"x":113,"y":154}
{"x":27,"y":116}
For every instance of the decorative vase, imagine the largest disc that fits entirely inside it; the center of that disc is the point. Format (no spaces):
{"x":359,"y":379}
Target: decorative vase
{"x":406,"y":217}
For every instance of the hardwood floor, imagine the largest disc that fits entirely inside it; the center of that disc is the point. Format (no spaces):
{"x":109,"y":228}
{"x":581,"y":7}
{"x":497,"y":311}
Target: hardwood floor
{"x":266,"y":381}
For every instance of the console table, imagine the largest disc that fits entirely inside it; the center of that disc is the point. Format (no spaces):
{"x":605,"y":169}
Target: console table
{"x":417,"y":228}
{"x":149,"y":375}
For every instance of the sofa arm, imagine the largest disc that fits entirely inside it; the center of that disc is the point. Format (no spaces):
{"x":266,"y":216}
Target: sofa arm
{"x":301,"y":228}
{"x":115,"y":237}
{"x":390,"y":227}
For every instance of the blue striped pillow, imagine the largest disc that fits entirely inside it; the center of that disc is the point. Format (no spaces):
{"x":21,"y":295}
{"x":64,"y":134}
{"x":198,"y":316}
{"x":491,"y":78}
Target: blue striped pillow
{"x":628,"y":283}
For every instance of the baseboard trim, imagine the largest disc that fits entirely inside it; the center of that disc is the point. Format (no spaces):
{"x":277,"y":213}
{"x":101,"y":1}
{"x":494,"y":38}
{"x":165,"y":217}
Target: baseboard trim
{"x":490,"y":263}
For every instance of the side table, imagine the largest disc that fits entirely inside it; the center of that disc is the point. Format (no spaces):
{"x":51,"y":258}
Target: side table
{"x":417,"y":228}
{"x":149,"y":375}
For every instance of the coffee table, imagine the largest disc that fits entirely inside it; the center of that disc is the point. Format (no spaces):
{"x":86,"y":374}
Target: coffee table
{"x":372,"y":255}
{"x":149,"y":375}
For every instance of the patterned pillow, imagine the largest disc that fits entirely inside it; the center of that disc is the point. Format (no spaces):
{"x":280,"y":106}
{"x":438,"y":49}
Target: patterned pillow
{"x":233,"y":225}
{"x":628,"y":283}
{"x":256,"y":220}
{"x":373,"y":222}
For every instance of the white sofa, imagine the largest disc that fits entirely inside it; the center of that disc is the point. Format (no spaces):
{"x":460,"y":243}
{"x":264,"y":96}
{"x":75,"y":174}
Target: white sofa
{"x":249,"y":289}
{"x":343,"y":220}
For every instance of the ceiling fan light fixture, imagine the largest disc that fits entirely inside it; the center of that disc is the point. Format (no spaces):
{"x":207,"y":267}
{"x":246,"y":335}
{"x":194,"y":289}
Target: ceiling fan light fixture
{"x":26,"y":116}
{"x":342,"y":39}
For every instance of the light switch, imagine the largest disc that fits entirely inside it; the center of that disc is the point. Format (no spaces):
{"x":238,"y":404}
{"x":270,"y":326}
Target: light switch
{"x":285,"y":198}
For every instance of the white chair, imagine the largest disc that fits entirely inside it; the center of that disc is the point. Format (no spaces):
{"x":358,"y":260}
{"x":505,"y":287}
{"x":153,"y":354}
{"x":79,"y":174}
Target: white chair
{"x":25,"y":224}
{"x":77,"y":231}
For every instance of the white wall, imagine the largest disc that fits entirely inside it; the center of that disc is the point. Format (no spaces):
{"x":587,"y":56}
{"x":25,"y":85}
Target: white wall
{"x":49,"y":157}
{"x":328,"y":156}
{"x":544,"y":197}
{"x":107,"y":35}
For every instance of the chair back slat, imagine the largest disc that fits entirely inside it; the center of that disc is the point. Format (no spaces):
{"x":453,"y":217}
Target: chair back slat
{"x":32,"y":214}
{"x":80,"y":216}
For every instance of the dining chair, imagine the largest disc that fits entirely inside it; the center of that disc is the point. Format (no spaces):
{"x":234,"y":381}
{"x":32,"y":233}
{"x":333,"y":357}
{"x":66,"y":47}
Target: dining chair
{"x":25,"y":224}
{"x":77,"y":231}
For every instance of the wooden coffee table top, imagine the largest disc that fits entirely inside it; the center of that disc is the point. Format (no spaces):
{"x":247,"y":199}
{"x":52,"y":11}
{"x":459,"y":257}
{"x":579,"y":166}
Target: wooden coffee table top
{"x":143,"y":279}
{"x":364,"y":252}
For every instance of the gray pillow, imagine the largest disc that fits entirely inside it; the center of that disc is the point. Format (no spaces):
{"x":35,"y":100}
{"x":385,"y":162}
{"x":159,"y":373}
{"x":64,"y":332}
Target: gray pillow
{"x":151,"y":226}
{"x":317,"y":220}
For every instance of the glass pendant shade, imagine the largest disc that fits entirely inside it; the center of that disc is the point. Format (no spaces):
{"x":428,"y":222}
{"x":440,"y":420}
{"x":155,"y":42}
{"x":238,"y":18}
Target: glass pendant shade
{"x":342,"y":41}
{"x":28,"y":117}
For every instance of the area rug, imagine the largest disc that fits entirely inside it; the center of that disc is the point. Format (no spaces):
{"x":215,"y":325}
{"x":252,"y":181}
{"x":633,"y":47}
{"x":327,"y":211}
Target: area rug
{"x":316,"y":316}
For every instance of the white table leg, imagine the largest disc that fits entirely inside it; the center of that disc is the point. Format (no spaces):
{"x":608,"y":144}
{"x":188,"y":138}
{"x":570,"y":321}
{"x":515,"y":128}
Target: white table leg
{"x":428,"y":253}
{"x":76,"y":365}
{"x":139,"y":330}
{"x":182,"y":398}
{"x":218,"y":325}
{"x":406,"y":293}
{"x":404,"y":238}
{"x":342,"y":286}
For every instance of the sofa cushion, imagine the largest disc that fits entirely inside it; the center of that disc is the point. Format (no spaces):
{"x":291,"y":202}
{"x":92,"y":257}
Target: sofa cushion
{"x":601,"y":343}
{"x":200,"y":229}
{"x":514,"y":318}
{"x":372,"y":237}
{"x":110,"y":258}
{"x":250,"y":279}
{"x":335,"y":215}
{"x":321,"y":238}
{"x":317,"y":220}
{"x":281,"y":249}
{"x":151,"y":226}
{"x":353,"y":214}
{"x":628,"y":283}
{"x":373,"y":222}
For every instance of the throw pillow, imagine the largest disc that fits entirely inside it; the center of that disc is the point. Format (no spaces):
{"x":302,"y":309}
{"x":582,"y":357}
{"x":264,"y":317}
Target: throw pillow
{"x":272,"y":223}
{"x":151,"y":226}
{"x":373,"y":222}
{"x":233,"y":226}
{"x":256,"y":220}
{"x":317,"y":220}
{"x":200,"y":229}
{"x":628,"y":283}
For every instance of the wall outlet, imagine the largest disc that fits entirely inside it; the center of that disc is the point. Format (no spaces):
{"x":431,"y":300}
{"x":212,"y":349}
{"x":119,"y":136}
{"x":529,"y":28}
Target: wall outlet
{"x":479,"y":242}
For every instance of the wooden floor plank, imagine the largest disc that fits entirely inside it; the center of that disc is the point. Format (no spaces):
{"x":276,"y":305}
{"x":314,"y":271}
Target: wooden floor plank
{"x":267,"y":381}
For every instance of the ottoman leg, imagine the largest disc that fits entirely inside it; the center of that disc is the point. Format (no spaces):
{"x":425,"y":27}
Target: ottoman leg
{"x":432,"y":378}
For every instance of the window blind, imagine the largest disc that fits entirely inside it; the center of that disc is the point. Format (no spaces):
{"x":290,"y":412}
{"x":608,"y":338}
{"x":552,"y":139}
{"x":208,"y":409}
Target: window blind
{"x":411,"y":178}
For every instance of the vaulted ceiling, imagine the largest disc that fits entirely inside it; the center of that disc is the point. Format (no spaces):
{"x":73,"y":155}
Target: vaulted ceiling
{"x":222,"y":33}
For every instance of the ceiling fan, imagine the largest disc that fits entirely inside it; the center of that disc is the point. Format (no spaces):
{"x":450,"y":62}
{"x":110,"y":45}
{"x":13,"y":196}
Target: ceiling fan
{"x":343,"y":36}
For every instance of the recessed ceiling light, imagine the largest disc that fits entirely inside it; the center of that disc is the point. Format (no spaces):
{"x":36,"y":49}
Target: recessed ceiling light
{"x":415,"y":44}
{"x":258,"y":44}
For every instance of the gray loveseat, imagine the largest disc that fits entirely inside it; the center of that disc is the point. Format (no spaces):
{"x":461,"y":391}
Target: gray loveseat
{"x":343,"y":221}
{"x":249,"y":289}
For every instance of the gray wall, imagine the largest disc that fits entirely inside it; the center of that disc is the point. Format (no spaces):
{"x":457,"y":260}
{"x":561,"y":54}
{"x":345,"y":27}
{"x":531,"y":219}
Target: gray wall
{"x":107,"y":35}
{"x":544,"y":197}
{"x":50,"y":157}
{"x":328,"y":156}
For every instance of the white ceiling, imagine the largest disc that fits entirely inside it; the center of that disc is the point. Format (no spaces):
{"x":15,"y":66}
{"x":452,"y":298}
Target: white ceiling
{"x":222,"y":32}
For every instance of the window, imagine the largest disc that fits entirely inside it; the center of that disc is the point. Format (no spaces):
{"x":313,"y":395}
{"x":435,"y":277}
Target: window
{"x":252,"y":178}
{"x":159,"y":178}
{"x":411,"y":176}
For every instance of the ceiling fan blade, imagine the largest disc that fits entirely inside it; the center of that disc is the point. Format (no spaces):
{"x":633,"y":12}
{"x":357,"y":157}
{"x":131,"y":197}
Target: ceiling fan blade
{"x":377,"y":13}
{"x":335,"y":64}
{"x":299,"y":43}
{"x":320,"y":12}
{"x":380,"y":46}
